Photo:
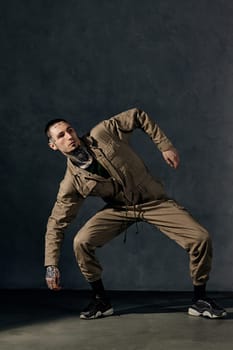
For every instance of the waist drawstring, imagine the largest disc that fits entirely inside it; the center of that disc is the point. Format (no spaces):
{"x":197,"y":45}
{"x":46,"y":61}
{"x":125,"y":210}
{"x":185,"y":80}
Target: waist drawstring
{"x":136,"y":220}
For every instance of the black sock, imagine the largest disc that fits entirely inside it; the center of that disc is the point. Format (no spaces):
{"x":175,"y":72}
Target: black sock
{"x":199,"y":292}
{"x":98,"y":289}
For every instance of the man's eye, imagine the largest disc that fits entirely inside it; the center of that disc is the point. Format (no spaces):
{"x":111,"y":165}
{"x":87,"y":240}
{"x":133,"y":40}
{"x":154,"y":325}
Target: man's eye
{"x":60,"y":135}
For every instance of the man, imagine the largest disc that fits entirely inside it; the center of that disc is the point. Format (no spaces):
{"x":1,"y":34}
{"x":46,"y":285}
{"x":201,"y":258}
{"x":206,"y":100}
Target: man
{"x":103,"y":164}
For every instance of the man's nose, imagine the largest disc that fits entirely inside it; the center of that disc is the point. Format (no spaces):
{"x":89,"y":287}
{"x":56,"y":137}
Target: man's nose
{"x":68,"y":136}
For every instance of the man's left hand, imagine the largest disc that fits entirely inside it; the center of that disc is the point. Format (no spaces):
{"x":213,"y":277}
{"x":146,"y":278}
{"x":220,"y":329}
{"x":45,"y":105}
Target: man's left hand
{"x":171,"y":157}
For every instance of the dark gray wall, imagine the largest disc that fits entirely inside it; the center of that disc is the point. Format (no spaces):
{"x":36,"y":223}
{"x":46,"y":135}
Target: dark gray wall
{"x":88,"y":60}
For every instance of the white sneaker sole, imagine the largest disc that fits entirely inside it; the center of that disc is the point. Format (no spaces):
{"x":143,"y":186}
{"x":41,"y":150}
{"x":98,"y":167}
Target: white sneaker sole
{"x":99,"y":314}
{"x":194,"y":312}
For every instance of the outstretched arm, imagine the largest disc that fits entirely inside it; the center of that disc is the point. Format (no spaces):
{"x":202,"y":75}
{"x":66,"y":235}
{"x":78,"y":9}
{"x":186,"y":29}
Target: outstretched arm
{"x":64,"y":211}
{"x":124,"y":123}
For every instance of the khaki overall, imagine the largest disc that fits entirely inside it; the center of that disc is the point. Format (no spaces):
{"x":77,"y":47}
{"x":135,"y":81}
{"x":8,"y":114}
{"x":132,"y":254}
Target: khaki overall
{"x":131,"y":194}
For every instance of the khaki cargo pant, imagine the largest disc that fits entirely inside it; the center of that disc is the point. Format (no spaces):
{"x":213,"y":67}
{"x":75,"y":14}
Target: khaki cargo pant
{"x":166,"y":215}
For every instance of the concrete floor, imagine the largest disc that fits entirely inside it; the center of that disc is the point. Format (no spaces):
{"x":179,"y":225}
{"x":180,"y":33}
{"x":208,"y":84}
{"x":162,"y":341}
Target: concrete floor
{"x":44,"y":320}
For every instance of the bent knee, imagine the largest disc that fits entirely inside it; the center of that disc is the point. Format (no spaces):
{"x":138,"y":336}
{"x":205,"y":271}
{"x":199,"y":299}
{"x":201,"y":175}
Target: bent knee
{"x":78,"y":243}
{"x":81,"y":244}
{"x":203,"y":238}
{"x":204,"y":235}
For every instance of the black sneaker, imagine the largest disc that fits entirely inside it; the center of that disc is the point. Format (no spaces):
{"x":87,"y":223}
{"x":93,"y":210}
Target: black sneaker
{"x":206,"y":307}
{"x":97,"y":308}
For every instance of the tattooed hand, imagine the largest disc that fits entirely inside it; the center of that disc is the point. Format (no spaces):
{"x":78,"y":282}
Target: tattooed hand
{"x":53,"y":277}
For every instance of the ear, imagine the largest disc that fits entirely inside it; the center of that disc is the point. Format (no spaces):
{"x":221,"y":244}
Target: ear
{"x":53,"y":146}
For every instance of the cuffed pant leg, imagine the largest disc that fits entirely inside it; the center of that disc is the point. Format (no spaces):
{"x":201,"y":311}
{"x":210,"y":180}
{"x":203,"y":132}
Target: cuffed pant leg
{"x":173,"y":220}
{"x":100,"y":229}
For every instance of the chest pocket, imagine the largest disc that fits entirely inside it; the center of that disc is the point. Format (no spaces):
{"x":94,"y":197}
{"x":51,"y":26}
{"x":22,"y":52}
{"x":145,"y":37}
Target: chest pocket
{"x":83,"y":185}
{"x":111,"y":149}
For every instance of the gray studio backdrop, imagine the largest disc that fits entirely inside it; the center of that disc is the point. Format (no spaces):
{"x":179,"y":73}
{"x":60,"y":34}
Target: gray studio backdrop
{"x":88,"y":60}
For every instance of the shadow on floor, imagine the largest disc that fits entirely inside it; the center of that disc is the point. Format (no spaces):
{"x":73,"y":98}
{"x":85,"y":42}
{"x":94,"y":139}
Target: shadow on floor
{"x":26,"y":307}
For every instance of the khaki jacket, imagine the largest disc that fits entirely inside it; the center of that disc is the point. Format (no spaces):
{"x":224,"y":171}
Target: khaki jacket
{"x":130,"y":181}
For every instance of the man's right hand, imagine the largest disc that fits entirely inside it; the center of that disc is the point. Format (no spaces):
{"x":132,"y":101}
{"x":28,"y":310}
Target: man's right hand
{"x":52,"y":277}
{"x":171,"y":157}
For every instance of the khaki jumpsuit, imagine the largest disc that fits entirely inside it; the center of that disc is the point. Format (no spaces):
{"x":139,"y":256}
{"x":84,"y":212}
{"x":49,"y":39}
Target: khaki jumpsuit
{"x":131,"y":194}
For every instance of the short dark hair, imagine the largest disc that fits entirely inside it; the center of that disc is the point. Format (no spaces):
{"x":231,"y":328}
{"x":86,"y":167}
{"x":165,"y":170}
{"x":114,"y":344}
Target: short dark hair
{"x":51,"y":123}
